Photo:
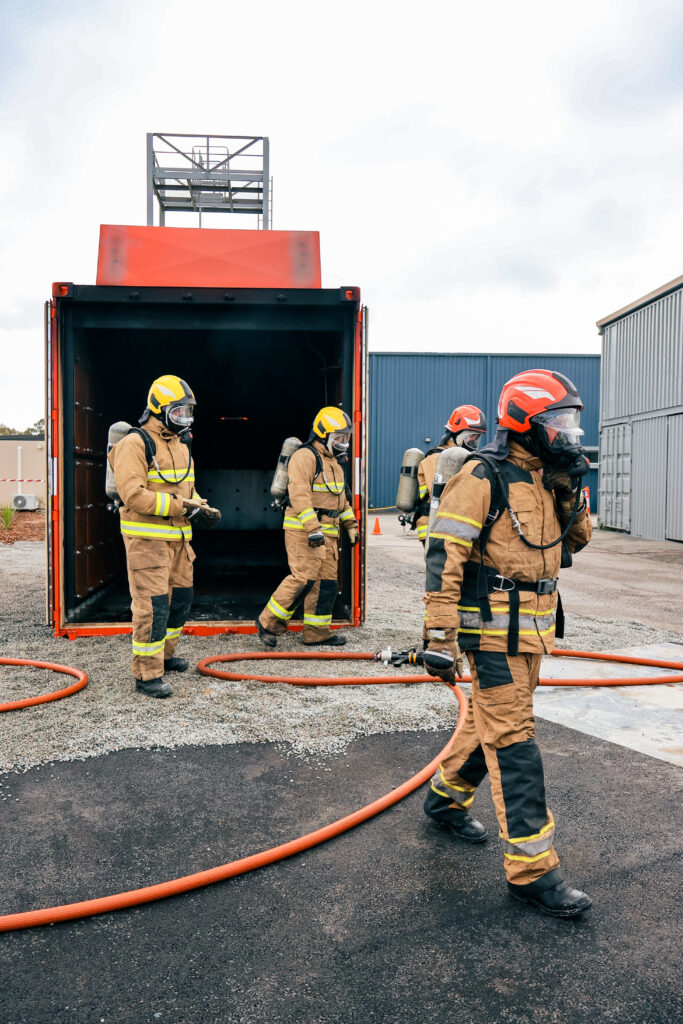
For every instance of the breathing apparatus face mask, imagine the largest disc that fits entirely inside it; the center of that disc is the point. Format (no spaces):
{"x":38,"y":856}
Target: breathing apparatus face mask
{"x":470,"y":439}
{"x":338,"y":444}
{"x":180,"y":417}
{"x":558,"y":434}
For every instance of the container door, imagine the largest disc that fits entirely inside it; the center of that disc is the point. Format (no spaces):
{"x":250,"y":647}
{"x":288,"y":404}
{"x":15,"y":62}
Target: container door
{"x":648,"y":503}
{"x":49,"y":483}
{"x":674,"y":489}
{"x":363,"y":465}
{"x":614,"y":509}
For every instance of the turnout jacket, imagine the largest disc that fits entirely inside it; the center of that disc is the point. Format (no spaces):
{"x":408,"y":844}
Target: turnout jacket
{"x":152,"y":508}
{"x":453,"y":546}
{"x":317,"y":502}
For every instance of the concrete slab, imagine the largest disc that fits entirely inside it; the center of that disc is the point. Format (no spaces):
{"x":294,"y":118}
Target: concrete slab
{"x":643,"y":718}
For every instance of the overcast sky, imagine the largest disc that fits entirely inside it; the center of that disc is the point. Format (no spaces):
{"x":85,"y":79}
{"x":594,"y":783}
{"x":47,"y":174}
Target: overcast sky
{"x":495,"y":177}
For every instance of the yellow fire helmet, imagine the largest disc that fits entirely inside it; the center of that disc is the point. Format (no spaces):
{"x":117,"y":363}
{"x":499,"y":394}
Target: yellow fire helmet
{"x":330,"y":420}
{"x":173,"y":401}
{"x":333,"y":427}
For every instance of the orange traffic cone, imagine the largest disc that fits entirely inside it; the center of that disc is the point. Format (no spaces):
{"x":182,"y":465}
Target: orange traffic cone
{"x":376,"y":529}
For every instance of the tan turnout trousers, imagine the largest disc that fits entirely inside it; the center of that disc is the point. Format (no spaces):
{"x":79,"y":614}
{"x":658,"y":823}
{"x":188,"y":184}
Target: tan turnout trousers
{"x":313,"y":580}
{"x":161,"y":596}
{"x":497,"y":737}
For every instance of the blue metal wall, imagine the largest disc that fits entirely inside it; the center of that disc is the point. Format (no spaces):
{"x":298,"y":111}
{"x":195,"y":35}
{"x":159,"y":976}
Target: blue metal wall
{"x":412,"y":396}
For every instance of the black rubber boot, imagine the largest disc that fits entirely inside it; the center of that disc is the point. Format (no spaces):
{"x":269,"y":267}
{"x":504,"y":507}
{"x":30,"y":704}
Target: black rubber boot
{"x":333,"y":640}
{"x":460,"y":824}
{"x":153,"y":687}
{"x":176,"y":665}
{"x":551,"y":895}
{"x":265,"y":636}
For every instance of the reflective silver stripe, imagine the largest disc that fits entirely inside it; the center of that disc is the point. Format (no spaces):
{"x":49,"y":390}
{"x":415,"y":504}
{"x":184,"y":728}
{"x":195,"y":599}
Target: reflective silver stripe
{"x":317,"y":620}
{"x":329,"y":530}
{"x":539,"y":623}
{"x":458,"y":794}
{"x":150,"y":531}
{"x":422,"y":530}
{"x":278,"y":611}
{"x":306,"y":515}
{"x":163,"y":504}
{"x":530,"y":846}
{"x":173,"y":634}
{"x":423,"y":490}
{"x":455,"y":528}
{"x":148,"y":650}
{"x":348,"y":514}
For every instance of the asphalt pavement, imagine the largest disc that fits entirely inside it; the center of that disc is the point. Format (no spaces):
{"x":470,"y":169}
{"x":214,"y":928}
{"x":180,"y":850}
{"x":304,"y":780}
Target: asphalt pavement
{"x":392,"y":922}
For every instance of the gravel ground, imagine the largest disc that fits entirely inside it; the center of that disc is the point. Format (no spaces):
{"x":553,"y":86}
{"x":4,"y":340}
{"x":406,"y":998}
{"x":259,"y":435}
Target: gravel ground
{"x":313,"y":722}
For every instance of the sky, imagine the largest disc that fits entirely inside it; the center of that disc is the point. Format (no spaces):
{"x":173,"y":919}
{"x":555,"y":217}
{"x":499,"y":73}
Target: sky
{"x":495,"y":177}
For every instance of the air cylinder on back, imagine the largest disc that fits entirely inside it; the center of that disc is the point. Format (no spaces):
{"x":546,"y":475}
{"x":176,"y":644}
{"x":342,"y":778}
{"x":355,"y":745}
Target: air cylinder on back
{"x":408,"y":489}
{"x":117,"y":431}
{"x":447,"y":465}
{"x":280,"y":483}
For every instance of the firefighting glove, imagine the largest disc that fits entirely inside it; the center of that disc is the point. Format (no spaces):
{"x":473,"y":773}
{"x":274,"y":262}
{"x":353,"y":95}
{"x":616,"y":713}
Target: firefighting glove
{"x":205,"y":517}
{"x":558,"y":480}
{"x":316,"y":538}
{"x":353,"y":535}
{"x":443,"y":657}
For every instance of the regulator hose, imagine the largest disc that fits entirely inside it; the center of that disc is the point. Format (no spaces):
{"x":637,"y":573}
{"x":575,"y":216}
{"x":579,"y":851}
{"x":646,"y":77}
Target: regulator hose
{"x":135,"y":897}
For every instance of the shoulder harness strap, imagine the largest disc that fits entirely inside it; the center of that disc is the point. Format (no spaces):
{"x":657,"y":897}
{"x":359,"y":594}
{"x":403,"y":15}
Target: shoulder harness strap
{"x":150,"y":443}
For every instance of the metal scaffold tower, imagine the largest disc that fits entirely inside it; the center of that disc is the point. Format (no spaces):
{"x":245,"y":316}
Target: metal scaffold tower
{"x":209,"y":174}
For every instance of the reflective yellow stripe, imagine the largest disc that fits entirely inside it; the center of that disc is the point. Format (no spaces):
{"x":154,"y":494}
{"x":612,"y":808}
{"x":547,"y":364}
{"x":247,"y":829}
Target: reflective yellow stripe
{"x":348,"y":514}
{"x":147,"y":650}
{"x":423,"y":490}
{"x":334,"y":487}
{"x":150,"y":531}
{"x":307,"y":514}
{"x":536,"y":835}
{"x":317,"y":620}
{"x":422,"y":531}
{"x":171,"y":476}
{"x":171,"y":634}
{"x":528,"y":860}
{"x":163,"y":504}
{"x":448,"y":536}
{"x":503,"y":609}
{"x":278,"y":611}
{"x":504,"y":632}
{"x":460,"y":519}
{"x":292,"y":524}
{"x":329,"y":530}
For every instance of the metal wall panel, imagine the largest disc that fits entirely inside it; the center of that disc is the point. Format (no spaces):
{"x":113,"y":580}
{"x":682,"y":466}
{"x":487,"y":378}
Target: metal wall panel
{"x":615,"y":477}
{"x":642,"y":361}
{"x":674,"y":481}
{"x":648,"y":477}
{"x":412,"y":395}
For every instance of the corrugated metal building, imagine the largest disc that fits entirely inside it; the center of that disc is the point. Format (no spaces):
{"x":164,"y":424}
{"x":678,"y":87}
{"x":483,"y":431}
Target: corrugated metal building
{"x":412,"y":395}
{"x":641,"y":416}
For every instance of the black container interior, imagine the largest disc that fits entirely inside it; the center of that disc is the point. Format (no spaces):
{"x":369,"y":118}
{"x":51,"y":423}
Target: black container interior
{"x":261,"y":363}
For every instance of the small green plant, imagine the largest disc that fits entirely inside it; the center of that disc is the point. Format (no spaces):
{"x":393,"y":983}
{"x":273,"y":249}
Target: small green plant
{"x":6,"y":516}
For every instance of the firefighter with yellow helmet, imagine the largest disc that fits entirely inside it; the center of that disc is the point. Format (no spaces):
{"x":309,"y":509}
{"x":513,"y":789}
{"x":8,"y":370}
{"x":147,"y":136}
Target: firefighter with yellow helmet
{"x":317,"y":504}
{"x":154,"y":473}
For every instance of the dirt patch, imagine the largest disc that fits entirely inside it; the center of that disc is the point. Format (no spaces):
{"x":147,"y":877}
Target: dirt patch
{"x":25,"y":526}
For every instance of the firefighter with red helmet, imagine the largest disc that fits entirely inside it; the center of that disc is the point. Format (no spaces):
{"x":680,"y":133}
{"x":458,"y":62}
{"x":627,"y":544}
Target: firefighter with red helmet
{"x":466,"y":428}
{"x":506,"y":523}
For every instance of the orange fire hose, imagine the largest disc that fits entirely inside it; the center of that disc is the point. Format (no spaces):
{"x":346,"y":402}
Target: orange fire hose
{"x":45,"y":698}
{"x":135,"y":897}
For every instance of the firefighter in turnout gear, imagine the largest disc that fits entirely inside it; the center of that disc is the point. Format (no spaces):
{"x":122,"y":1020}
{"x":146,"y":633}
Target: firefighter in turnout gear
{"x":317,"y":504}
{"x":154,"y":474}
{"x":466,"y":428}
{"x":492,"y":566}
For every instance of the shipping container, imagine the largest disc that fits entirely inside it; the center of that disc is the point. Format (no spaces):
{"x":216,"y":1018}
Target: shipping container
{"x":413,"y":394}
{"x":261,"y":362}
{"x":641,"y":412}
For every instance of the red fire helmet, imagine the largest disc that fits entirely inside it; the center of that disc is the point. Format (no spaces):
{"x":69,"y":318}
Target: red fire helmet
{"x":532,"y":392}
{"x":466,"y":417}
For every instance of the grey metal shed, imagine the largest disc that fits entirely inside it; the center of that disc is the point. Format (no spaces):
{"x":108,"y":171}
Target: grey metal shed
{"x":641,"y":416}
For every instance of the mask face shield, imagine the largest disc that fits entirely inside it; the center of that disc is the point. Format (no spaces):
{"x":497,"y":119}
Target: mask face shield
{"x":338,"y":443}
{"x":470,"y":439}
{"x":180,"y":417}
{"x":559,"y":431}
